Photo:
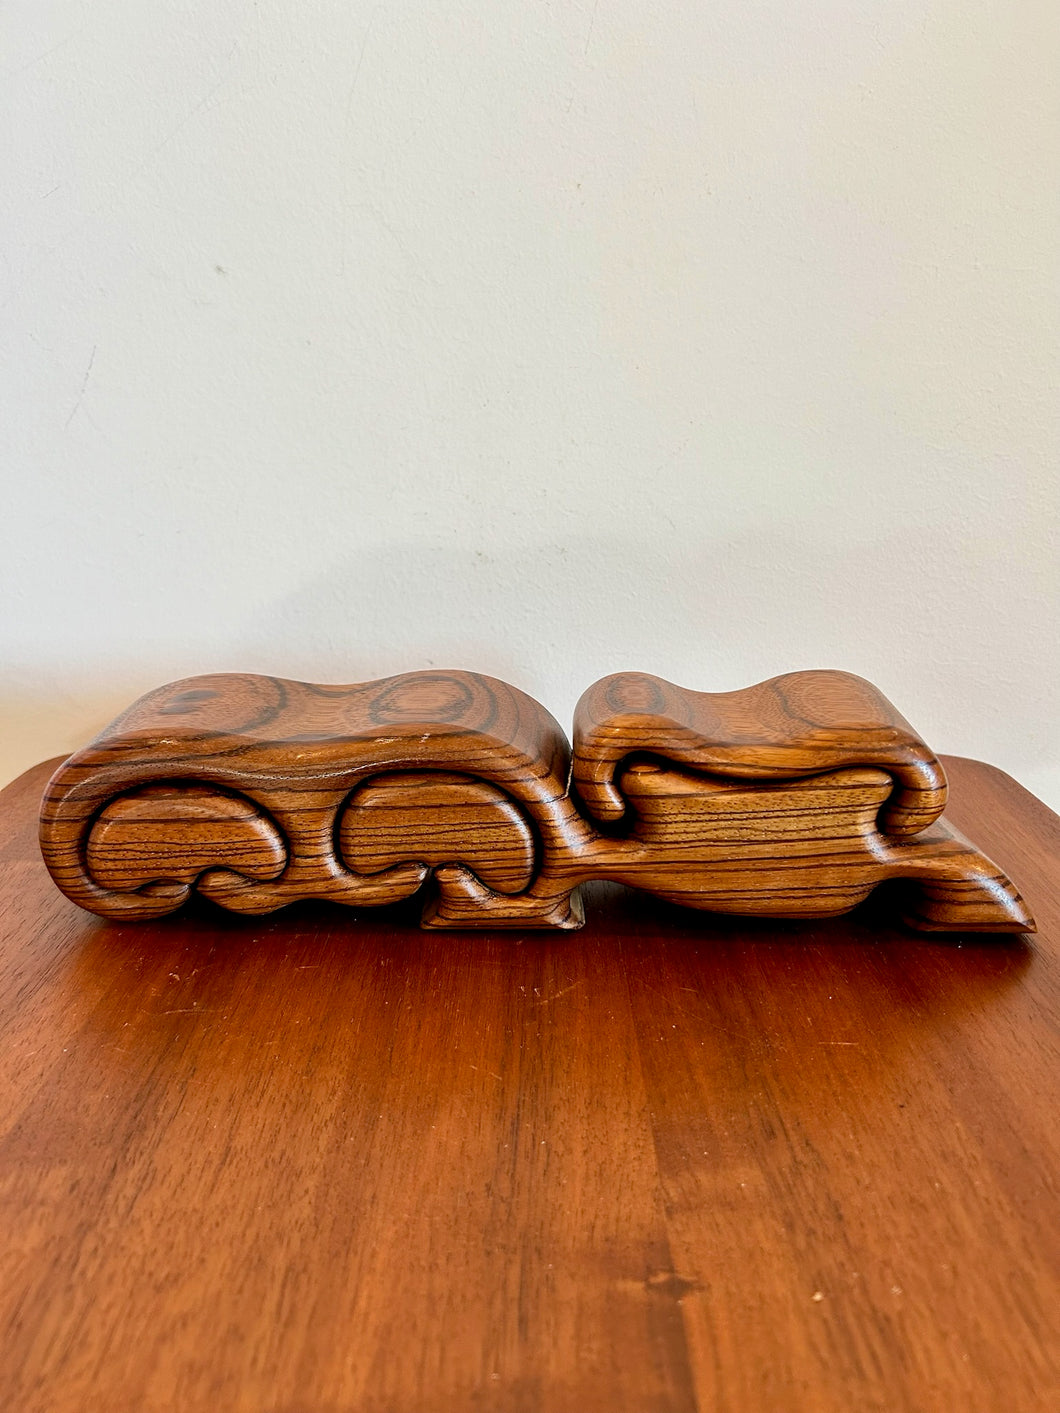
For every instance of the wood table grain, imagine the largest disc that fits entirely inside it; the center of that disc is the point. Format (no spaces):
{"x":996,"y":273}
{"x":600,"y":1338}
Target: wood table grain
{"x":323,"y":1162}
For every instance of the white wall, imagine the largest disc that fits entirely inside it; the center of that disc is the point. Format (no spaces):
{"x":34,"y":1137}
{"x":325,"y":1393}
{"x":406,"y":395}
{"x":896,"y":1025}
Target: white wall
{"x":548,"y":339}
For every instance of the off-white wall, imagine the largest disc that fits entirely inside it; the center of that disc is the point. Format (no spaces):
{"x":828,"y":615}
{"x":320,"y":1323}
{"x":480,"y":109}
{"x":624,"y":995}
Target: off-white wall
{"x":713,"y":339}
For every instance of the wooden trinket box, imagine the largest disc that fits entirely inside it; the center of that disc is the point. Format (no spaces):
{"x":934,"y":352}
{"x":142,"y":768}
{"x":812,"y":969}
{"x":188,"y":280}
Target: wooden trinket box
{"x":794,"y":798}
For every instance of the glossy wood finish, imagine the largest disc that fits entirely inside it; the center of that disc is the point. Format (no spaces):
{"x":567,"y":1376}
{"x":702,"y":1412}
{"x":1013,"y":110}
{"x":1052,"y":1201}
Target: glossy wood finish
{"x":799,"y":724}
{"x":316,"y":762}
{"x":177,"y":832}
{"x":801,"y":848}
{"x":672,"y":1162}
{"x":794,"y":798}
{"x":436,"y":819}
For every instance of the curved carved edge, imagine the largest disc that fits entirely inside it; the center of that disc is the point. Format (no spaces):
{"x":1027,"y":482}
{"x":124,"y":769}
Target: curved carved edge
{"x":259,"y":792}
{"x":805,"y":848}
{"x":954,"y":887}
{"x":163,"y":838}
{"x":437,"y":818}
{"x":801,"y":723}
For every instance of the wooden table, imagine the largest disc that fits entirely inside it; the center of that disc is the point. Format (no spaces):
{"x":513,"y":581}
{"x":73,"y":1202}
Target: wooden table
{"x":322,"y":1161}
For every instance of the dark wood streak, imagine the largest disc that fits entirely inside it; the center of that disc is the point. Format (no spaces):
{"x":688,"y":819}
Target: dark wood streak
{"x":796,"y":797}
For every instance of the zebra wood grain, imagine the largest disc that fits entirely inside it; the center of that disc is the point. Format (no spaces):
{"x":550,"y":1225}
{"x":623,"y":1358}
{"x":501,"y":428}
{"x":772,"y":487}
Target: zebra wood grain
{"x":794,"y":798}
{"x":677,"y":1162}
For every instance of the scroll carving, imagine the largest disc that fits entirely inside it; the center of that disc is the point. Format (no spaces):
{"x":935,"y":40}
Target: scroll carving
{"x":793,"y":798}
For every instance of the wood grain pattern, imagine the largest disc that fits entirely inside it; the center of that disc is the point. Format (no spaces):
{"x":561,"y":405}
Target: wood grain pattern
{"x":178,"y":832}
{"x":675,"y":1162}
{"x":799,"y":724}
{"x":440,"y":820}
{"x":302,"y":754}
{"x":807,"y":847}
{"x":793,"y":798}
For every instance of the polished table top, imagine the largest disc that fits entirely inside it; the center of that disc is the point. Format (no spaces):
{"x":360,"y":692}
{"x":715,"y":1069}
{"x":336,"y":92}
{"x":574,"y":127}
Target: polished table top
{"x":323,"y":1161}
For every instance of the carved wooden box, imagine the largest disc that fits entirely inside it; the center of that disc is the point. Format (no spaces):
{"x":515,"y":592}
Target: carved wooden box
{"x":794,"y":798}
